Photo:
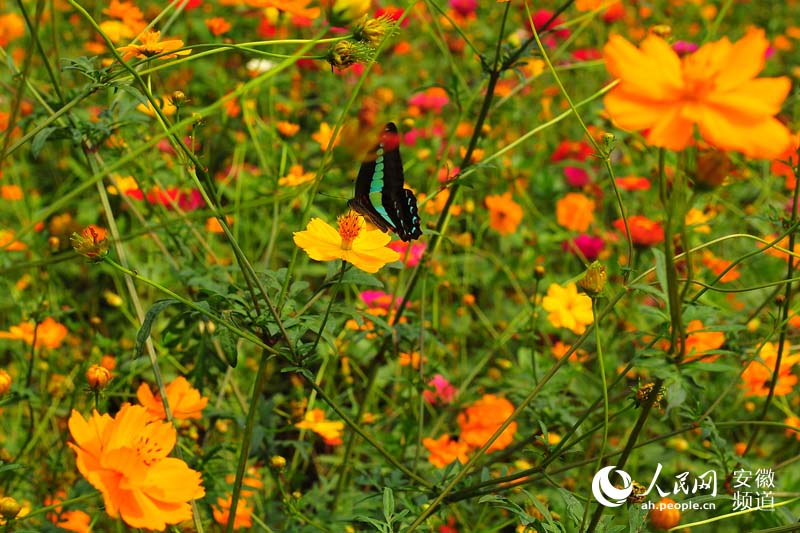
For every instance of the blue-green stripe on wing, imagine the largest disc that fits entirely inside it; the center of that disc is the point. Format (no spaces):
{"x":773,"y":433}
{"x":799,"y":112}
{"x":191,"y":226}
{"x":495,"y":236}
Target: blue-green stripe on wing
{"x":379,"y":192}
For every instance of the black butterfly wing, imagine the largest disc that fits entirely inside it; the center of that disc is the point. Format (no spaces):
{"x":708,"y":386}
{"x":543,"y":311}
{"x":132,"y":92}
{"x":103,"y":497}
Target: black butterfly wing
{"x":380,"y":195}
{"x":405,"y":216}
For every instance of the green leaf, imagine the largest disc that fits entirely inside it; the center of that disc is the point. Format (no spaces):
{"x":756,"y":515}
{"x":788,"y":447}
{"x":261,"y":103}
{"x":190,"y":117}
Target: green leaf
{"x":40,"y":138}
{"x":358,"y":277}
{"x":661,"y":273}
{"x":574,"y":506}
{"x":227,"y":342}
{"x":147,"y":324}
{"x":388,"y":504}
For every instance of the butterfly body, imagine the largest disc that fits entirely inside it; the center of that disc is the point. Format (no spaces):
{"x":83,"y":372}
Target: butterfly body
{"x":380,"y":196}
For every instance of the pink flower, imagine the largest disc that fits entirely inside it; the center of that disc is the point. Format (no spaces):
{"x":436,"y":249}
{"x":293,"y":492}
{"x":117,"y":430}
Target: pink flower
{"x":443,"y":391}
{"x":378,"y":299}
{"x":576,"y":176}
{"x":433,"y":99}
{"x":684,"y":47}
{"x":410,"y":253}
{"x":588,"y":245}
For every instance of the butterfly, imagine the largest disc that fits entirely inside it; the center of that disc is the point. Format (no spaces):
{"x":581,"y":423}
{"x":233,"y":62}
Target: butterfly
{"x":380,"y":196}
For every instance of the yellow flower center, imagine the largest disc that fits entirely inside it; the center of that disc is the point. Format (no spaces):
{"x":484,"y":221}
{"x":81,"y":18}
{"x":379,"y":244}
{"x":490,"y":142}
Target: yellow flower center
{"x":349,"y":227}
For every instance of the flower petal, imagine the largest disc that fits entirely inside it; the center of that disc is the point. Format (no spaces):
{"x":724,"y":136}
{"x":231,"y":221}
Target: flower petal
{"x":653,"y":72}
{"x":371,"y":260}
{"x":672,"y":130}
{"x":631,"y":112}
{"x":746,"y":59}
{"x":754,"y":99}
{"x":767,"y":138}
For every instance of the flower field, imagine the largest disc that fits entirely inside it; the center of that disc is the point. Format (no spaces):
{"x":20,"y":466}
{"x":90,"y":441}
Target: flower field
{"x":437,"y":266}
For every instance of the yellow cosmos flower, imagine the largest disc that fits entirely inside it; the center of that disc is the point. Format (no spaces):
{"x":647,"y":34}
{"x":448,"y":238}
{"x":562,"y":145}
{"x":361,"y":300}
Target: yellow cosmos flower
{"x":365,"y":249}
{"x":152,"y":45}
{"x":330,"y":430}
{"x":714,"y":88}
{"x":567,"y":308}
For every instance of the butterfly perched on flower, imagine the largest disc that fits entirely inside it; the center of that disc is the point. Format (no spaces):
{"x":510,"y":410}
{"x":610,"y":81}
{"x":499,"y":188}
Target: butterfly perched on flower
{"x":380,"y":195}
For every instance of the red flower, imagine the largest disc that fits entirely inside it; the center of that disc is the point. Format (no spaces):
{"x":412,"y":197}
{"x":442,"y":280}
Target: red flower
{"x":644,"y":232}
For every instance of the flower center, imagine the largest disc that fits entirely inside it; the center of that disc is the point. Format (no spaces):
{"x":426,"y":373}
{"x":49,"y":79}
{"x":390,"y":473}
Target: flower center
{"x":349,"y":227}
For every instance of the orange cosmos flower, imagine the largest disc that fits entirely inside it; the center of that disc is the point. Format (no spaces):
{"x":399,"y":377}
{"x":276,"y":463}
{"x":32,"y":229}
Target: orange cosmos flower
{"x":48,"y":333}
{"x":445,"y":450}
{"x":126,"y":459}
{"x":330,"y":431}
{"x":213,"y":225}
{"x":12,"y":26}
{"x":222,"y":511}
{"x":644,"y":232}
{"x":296,"y":176}
{"x":128,"y":12}
{"x":699,"y":341}
{"x":324,"y":135}
{"x":559,"y":349}
{"x":217,"y":26}
{"x":757,"y":377}
{"x":298,"y":8}
{"x":793,"y":421}
{"x":184,"y":400}
{"x":714,"y":88}
{"x":785,"y":163}
{"x":75,"y":520}
{"x":251,"y":483}
{"x":567,"y":308}
{"x":8,"y":243}
{"x":575,"y":211}
{"x":286,"y":128}
{"x":504,"y":213}
{"x":412,"y":358}
{"x":365,"y":249}
{"x":718,"y":266}
{"x":152,"y":45}
{"x":11,"y":193}
{"x":480,"y":420}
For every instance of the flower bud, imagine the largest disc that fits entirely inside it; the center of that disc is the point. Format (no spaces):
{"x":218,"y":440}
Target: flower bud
{"x":277,"y":462}
{"x":98,"y":377}
{"x":609,"y":141}
{"x":9,"y":507}
{"x":345,"y":53}
{"x":91,"y":242}
{"x":372,"y":31}
{"x":178,"y":98}
{"x":662,"y":30}
{"x":594,"y":281}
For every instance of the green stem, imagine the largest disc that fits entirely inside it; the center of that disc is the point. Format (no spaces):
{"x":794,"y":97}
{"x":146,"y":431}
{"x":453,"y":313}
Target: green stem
{"x":601,"y":363}
{"x":216,"y":319}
